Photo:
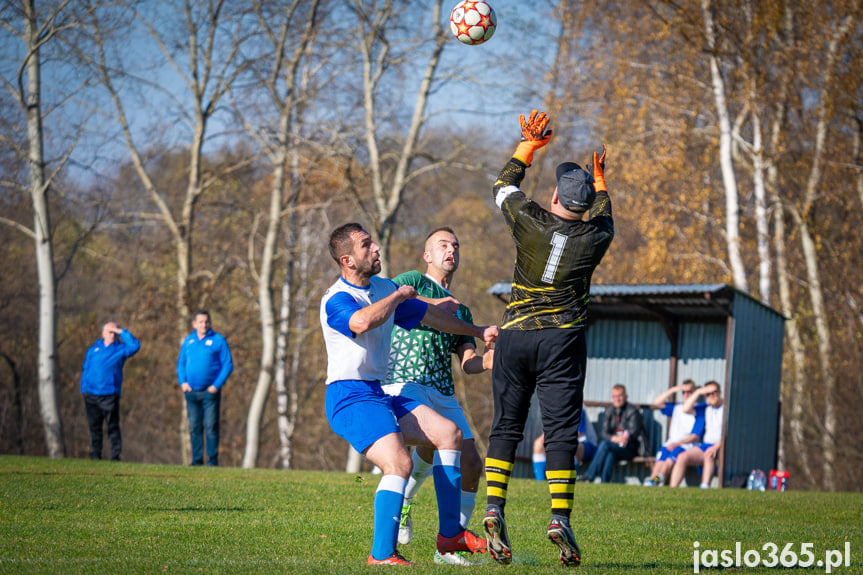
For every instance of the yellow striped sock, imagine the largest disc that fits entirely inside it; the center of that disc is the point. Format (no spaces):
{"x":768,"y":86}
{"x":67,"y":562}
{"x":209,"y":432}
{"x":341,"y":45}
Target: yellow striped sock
{"x":497,"y":474}
{"x":561,"y":485}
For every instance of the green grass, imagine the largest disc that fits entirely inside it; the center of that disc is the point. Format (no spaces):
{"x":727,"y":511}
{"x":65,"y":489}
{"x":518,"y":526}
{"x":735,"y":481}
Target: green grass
{"x":77,"y":516}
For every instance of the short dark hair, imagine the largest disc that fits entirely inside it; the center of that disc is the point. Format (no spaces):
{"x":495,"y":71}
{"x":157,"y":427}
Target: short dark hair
{"x":341,"y":242}
{"x":200,"y":312}
{"x":447,"y":229}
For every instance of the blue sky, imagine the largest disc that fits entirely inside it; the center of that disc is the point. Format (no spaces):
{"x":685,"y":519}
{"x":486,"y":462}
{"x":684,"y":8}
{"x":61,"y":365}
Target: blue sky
{"x":525,"y":37}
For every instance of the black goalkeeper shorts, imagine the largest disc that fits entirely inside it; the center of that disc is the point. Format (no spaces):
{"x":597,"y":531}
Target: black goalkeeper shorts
{"x":550,"y":361}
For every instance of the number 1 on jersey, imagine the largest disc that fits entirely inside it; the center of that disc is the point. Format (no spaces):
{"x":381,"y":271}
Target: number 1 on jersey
{"x":558,"y":241}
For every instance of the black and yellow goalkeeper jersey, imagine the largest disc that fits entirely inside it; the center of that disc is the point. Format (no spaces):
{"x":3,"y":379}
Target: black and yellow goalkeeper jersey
{"x":555,"y":257}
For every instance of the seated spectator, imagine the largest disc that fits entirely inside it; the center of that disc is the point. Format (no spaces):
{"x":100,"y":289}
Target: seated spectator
{"x":684,"y":431}
{"x":622,"y":429}
{"x":705,"y":453}
{"x":586,"y":447}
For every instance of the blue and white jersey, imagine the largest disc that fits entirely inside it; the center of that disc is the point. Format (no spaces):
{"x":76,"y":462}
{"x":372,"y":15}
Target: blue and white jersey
{"x":362,"y":356}
{"x":712,"y":421}
{"x":682,"y":424}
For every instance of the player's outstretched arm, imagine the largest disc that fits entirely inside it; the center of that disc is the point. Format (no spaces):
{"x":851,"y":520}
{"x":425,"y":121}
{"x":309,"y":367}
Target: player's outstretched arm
{"x":534,"y":135}
{"x":374,"y":315}
{"x":448,"y":304}
{"x":442,"y":321}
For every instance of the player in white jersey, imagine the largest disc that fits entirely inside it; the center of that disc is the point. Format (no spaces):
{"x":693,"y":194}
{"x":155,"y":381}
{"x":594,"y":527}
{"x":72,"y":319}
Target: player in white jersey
{"x":357,"y":316}
{"x":705,"y":453}
{"x":684,"y":431}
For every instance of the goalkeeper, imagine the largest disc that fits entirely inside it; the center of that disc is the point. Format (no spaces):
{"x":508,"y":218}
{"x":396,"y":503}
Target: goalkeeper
{"x":541,"y":345}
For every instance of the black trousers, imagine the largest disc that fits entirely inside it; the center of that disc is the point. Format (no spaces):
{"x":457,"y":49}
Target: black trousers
{"x":103,"y":408}
{"x":549,"y":362}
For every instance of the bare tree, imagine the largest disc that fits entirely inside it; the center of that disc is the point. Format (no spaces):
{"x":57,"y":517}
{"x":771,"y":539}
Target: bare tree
{"x":35,"y":31}
{"x":392,"y":169}
{"x":203,"y":50}
{"x":726,"y":162}
{"x":802,"y":218}
{"x":391,"y":164}
{"x":283,"y":89}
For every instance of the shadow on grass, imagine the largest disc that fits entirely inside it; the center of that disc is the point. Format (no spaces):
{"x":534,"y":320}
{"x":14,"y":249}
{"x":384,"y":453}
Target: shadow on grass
{"x":205,"y":509}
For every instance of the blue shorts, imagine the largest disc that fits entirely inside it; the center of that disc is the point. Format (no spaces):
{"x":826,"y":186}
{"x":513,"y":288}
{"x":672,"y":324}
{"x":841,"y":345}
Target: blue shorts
{"x":704,"y":446}
{"x":589,"y":450}
{"x":664,"y":453}
{"x":361,"y":413}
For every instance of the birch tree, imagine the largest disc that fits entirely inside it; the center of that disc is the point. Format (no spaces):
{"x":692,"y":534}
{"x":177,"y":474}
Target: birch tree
{"x":726,"y":162}
{"x":202,"y":48}
{"x":284,"y":92}
{"x":392,"y":165}
{"x":803,"y":219}
{"x":30,"y":29}
{"x":390,"y":152}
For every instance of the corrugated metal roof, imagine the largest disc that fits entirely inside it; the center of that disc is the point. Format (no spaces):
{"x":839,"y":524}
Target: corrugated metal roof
{"x":655,"y":289}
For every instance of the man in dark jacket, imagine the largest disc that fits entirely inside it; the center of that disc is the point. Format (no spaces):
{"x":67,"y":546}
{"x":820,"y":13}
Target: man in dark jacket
{"x":622,"y":428}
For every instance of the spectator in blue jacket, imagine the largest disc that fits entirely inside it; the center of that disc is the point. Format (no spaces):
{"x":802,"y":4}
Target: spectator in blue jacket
{"x":101,"y":380}
{"x":203,"y":368}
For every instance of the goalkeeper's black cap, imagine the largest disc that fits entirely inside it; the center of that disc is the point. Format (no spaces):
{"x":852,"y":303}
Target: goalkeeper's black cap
{"x":575,"y":187}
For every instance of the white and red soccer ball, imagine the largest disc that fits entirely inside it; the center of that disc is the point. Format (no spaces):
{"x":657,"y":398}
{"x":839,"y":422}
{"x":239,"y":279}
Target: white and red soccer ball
{"x":473,"y":21}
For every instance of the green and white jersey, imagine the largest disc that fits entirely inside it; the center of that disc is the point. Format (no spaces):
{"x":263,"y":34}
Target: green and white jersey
{"x":423,"y":354}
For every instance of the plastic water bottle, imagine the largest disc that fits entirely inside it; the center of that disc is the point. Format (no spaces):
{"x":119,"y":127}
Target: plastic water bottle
{"x":757,"y":481}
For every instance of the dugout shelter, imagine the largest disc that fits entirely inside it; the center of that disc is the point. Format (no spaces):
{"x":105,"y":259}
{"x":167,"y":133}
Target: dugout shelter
{"x":652,"y":337}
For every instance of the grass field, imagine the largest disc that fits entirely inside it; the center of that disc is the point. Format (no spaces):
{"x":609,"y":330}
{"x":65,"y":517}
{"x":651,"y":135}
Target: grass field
{"x":77,"y":516}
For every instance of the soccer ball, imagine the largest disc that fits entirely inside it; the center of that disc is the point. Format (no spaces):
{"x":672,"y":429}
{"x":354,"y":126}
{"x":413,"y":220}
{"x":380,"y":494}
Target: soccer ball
{"x":473,"y":22}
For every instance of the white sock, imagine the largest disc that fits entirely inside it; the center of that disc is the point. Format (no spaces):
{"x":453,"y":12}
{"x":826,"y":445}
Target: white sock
{"x":705,"y":486}
{"x":421,"y":471}
{"x":468,"y":502}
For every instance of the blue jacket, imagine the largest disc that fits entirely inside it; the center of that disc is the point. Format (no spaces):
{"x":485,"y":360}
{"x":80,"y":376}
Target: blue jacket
{"x":103,"y":365}
{"x":204,"y":362}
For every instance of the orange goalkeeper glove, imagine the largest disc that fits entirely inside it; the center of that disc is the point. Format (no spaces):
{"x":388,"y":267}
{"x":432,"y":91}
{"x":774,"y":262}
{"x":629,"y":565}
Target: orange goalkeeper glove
{"x":533,"y":136}
{"x":597,"y":170}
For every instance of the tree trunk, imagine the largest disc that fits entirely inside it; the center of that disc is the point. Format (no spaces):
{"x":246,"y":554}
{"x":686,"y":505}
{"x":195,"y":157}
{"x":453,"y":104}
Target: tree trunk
{"x":810,"y":255}
{"x":267,"y":309}
{"x":729,"y":178}
{"x":793,"y":415}
{"x":268,"y":341}
{"x":858,"y":158}
{"x":39,"y":188}
{"x":825,"y":349}
{"x":300,"y":325}
{"x":283,"y":398}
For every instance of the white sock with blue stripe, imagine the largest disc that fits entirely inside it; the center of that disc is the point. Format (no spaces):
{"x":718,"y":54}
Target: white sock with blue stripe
{"x":468,"y":503}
